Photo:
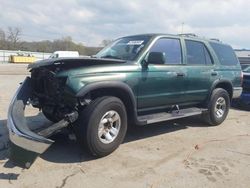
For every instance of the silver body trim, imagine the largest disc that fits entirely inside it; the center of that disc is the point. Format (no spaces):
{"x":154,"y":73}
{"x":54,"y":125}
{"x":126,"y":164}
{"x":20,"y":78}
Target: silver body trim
{"x":21,"y":137}
{"x":237,"y":92}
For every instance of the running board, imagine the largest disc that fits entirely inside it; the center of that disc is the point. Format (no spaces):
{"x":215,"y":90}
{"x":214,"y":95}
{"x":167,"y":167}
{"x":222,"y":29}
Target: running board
{"x":176,"y":114}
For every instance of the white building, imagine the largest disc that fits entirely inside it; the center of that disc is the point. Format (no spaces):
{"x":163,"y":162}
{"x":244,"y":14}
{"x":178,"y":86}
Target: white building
{"x":243,"y":56}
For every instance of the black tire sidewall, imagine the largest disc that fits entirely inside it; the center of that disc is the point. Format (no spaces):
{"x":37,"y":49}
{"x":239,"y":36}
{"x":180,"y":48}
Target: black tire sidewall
{"x":93,"y":116}
{"x":217,"y":93}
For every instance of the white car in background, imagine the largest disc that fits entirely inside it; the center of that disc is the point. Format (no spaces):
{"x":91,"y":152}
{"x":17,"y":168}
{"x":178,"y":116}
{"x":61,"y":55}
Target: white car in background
{"x":58,"y":54}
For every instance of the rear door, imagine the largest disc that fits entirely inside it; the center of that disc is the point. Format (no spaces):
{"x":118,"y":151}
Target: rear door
{"x":200,"y":71}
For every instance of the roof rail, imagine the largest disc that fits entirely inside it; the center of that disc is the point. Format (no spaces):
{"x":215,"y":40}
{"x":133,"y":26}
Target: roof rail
{"x":188,"y":35}
{"x":218,"y":40}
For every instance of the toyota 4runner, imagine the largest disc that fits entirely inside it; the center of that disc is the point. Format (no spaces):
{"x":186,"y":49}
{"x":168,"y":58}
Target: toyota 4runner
{"x":136,"y":80}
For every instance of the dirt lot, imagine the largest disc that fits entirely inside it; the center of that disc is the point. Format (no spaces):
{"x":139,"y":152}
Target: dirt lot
{"x":183,"y":153}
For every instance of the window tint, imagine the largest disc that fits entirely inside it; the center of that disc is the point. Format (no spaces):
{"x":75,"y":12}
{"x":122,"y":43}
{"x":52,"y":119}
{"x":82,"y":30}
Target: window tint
{"x":225,"y":54}
{"x":171,"y":49}
{"x":197,"y":53}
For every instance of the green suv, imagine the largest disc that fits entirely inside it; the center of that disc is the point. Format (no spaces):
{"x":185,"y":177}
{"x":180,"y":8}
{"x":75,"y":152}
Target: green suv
{"x":136,"y":80}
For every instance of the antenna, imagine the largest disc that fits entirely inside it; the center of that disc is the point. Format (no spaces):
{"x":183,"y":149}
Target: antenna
{"x":182,"y":25}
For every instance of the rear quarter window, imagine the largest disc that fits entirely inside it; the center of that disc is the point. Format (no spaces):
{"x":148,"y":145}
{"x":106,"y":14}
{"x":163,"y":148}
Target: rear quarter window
{"x":225,"y":54}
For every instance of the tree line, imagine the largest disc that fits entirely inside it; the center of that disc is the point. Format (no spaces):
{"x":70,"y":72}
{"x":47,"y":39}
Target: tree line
{"x":10,"y":39}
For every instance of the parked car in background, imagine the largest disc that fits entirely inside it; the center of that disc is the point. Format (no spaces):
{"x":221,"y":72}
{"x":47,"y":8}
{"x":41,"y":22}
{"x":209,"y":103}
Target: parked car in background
{"x":244,"y":100}
{"x":59,"y":54}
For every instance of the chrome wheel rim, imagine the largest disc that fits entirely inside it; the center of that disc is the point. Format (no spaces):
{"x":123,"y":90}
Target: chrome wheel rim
{"x":220,"y":107}
{"x":109,"y":127}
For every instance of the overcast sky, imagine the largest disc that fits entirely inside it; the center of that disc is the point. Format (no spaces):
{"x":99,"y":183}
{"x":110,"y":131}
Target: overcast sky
{"x":91,"y":21}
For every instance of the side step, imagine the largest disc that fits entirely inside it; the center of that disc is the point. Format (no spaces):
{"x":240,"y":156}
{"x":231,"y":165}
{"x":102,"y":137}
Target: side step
{"x":176,"y":114}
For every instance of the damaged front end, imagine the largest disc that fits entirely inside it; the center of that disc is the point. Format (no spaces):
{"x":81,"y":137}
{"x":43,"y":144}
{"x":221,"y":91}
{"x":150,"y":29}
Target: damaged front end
{"x":52,"y":88}
{"x":44,"y":91}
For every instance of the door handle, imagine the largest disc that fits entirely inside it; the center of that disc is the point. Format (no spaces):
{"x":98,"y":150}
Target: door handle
{"x":180,"y":74}
{"x":214,"y":73}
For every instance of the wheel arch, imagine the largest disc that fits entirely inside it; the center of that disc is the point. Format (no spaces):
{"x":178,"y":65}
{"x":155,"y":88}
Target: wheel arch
{"x":224,"y":84}
{"x":113,"y":88}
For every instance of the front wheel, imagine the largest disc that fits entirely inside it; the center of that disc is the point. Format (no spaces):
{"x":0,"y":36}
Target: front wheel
{"x":102,"y":125}
{"x":218,"y":107}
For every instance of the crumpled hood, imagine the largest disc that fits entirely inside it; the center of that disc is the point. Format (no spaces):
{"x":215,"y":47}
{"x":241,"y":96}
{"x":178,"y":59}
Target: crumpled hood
{"x":74,"y":62}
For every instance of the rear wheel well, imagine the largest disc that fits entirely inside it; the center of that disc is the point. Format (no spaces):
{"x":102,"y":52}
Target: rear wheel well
{"x":223,"y":85}
{"x":122,"y":94}
{"x":227,"y":86}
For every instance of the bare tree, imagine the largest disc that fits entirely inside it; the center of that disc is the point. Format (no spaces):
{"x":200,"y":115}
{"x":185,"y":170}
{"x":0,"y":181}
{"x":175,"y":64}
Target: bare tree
{"x":14,"y":37}
{"x":2,"y":39}
{"x":106,"y":42}
{"x":10,"y":39}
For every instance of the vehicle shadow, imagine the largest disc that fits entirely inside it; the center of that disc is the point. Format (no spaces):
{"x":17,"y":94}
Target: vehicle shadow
{"x":34,"y":122}
{"x":240,"y":107}
{"x":67,"y":150}
{"x":9,"y":176}
{"x":4,"y":140}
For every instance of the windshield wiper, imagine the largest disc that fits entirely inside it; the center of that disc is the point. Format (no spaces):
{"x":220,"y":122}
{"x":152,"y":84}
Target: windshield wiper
{"x":110,"y":56}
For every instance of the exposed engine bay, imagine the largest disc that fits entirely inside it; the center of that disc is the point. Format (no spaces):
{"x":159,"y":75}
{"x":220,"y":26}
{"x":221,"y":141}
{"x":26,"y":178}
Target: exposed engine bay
{"x":47,"y":93}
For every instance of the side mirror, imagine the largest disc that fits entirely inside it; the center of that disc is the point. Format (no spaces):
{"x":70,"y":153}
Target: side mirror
{"x":156,"y":58}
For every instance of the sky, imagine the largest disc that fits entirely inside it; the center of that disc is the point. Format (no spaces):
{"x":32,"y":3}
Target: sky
{"x":91,"y":21}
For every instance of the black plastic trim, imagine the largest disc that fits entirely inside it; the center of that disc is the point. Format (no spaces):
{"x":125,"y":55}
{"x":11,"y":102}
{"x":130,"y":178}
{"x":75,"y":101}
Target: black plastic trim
{"x":117,"y":85}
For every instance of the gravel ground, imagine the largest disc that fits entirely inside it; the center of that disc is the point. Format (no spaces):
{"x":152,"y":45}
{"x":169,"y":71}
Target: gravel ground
{"x":182,"y":153}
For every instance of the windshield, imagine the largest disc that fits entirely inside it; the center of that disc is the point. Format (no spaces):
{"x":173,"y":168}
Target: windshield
{"x":126,"y":48}
{"x":245,"y":68}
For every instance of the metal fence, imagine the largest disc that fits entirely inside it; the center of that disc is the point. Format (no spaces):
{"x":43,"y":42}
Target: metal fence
{"x":5,"y":55}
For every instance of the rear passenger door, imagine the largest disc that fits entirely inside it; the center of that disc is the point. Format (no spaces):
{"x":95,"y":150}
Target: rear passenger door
{"x":200,"y":71}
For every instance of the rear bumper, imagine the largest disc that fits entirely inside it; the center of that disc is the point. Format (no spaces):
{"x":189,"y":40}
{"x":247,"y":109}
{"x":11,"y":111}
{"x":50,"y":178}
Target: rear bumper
{"x":237,"y":92}
{"x":19,"y":132}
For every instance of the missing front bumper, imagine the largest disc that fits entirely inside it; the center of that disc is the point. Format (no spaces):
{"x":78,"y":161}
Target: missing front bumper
{"x":25,"y":144}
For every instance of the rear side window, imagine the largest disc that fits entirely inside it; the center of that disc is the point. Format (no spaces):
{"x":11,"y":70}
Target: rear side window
{"x":197,"y":53}
{"x":171,"y":49}
{"x":225,"y":54}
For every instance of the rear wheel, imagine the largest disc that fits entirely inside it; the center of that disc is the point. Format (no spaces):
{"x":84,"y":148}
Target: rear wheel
{"x":218,"y":107}
{"x":102,"y":125}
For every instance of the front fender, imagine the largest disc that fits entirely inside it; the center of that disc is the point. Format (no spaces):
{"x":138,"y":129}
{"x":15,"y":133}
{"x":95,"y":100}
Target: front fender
{"x":126,"y":90}
{"x":107,"y":84}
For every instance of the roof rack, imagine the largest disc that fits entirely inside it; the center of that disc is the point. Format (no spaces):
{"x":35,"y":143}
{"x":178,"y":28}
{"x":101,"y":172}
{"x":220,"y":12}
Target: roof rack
{"x":188,"y":35}
{"x":218,"y":40}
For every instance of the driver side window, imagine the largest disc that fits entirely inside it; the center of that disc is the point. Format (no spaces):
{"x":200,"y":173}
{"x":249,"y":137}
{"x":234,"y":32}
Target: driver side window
{"x":170,"y":48}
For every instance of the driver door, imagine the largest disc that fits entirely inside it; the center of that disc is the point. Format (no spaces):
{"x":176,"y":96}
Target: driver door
{"x":162,"y":83}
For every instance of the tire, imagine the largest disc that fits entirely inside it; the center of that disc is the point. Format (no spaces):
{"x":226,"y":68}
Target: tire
{"x":218,"y":107}
{"x":101,"y":139}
